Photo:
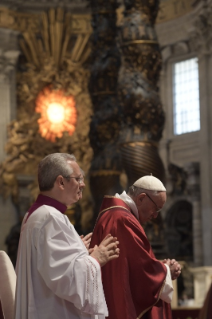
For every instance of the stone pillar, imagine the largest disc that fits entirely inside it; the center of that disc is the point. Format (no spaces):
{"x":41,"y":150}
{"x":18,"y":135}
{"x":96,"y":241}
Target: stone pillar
{"x":202,"y":282}
{"x":8,"y":59}
{"x":193,"y":188}
{"x":201,"y":42}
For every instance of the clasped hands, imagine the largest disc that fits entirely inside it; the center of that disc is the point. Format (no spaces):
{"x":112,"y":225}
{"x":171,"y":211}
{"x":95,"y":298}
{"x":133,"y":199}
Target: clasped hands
{"x":174,"y":266}
{"x":106,"y":251}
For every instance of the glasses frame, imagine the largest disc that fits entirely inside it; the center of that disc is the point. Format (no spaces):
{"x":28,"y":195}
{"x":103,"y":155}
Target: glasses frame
{"x":79,"y":180}
{"x":158,"y":209}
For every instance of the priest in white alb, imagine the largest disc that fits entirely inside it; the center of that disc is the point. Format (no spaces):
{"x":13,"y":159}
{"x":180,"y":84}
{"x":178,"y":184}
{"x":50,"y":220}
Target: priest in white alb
{"x":57,"y":277}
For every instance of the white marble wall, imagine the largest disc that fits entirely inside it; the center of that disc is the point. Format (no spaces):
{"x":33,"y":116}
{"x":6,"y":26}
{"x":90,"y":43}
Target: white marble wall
{"x":8,"y":58}
{"x":182,"y":38}
{"x":202,"y":282}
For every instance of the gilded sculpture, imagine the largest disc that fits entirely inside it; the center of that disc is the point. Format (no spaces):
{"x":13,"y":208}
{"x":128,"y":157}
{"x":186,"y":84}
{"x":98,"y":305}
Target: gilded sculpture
{"x":54,"y":49}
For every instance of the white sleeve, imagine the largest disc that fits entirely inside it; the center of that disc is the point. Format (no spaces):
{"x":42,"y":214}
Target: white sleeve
{"x":67,"y":269}
{"x":166,"y":294}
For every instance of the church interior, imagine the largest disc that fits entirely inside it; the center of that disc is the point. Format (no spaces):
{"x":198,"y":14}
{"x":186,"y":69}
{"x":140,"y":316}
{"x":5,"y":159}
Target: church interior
{"x":124,"y":85}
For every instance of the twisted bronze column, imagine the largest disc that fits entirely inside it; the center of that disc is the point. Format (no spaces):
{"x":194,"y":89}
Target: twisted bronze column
{"x":142,"y":113}
{"x":105,"y":124}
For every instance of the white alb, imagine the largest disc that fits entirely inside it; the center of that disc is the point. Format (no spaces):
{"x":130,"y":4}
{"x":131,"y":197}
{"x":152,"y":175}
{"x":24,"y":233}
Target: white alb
{"x":56,"y":277}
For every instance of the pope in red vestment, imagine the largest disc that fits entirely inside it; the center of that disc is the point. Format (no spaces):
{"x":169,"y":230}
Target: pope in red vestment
{"x":132,"y":283}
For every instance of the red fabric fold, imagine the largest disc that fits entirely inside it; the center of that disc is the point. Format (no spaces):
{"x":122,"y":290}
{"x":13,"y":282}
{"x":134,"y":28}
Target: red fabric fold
{"x":133,"y":282}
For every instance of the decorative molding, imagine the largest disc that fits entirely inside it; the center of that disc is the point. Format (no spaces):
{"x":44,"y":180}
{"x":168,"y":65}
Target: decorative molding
{"x":8,"y":61}
{"x":21,"y":22}
{"x":200,"y":33}
{"x":56,"y":30}
{"x":44,"y":4}
{"x":173,"y":9}
{"x":174,"y":50}
{"x":18,"y":21}
{"x":56,"y":2}
{"x":168,"y":10}
{"x":181,"y":48}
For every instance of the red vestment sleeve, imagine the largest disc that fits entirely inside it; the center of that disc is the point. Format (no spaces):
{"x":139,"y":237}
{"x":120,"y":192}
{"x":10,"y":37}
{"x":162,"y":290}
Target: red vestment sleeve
{"x":133,"y":282}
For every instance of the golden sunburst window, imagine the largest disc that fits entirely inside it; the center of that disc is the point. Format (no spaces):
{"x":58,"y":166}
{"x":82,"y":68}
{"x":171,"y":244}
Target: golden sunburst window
{"x":58,"y":113}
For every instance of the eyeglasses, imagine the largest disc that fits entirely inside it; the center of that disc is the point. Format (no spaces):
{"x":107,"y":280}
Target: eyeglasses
{"x":158,"y":209}
{"x":80,"y":180}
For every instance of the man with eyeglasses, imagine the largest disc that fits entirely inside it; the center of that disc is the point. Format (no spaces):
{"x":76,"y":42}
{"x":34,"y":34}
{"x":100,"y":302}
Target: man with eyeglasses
{"x":57,"y":277}
{"x":136,"y":285}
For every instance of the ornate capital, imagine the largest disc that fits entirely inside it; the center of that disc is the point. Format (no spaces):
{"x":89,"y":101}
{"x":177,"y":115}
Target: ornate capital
{"x":41,"y":4}
{"x":8,"y":61}
{"x":201,"y":33}
{"x":23,"y":22}
{"x":18,"y":21}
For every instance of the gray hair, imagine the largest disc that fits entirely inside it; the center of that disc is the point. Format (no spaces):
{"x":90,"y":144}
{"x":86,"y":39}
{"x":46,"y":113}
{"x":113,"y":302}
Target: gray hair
{"x":135,"y":191}
{"x":52,"y":166}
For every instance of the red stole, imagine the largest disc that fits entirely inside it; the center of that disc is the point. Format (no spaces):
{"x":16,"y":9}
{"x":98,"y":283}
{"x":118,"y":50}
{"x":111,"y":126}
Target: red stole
{"x":133,"y":282}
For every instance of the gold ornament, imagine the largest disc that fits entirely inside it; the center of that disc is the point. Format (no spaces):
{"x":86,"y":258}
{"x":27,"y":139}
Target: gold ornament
{"x":57,"y":113}
{"x":55,"y":46}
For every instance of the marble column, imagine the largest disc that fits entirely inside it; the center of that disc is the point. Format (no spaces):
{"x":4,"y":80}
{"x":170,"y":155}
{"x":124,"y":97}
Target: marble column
{"x":8,"y":58}
{"x":201,"y":42}
{"x":202,"y":282}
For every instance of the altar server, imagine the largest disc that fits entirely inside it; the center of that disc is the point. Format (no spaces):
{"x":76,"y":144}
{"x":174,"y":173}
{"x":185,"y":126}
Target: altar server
{"x":57,"y":278}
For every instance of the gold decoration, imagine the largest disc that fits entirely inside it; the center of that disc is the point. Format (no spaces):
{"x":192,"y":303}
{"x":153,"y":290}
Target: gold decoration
{"x":172,"y":9}
{"x":18,"y":21}
{"x":140,"y":42}
{"x":55,"y":36}
{"x":55,"y":45}
{"x":169,"y":10}
{"x":58,"y":113}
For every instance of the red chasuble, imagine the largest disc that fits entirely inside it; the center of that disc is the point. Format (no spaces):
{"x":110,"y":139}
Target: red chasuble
{"x":134,"y":281}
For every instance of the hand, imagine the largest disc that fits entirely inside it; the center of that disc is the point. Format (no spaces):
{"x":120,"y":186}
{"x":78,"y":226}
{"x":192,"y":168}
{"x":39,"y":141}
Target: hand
{"x":86,"y":240}
{"x":106,"y":251}
{"x":174,"y":266}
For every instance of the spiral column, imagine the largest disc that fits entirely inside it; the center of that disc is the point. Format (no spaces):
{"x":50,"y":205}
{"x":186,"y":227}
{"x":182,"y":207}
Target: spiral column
{"x":142,"y":113}
{"x":105,"y":124}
